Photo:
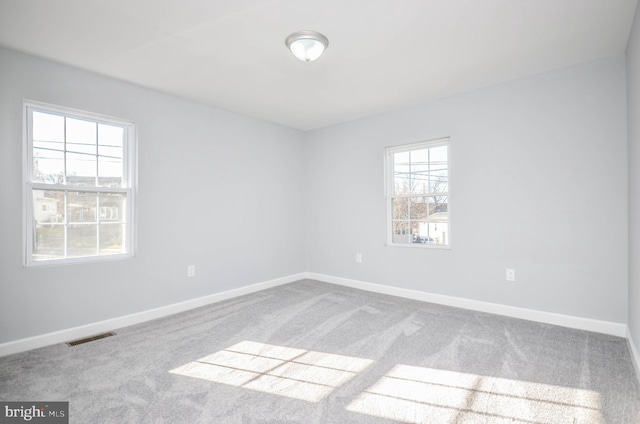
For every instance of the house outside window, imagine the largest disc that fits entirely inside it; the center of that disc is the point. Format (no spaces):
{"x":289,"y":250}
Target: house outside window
{"x":79,"y":186}
{"x":417,"y":191}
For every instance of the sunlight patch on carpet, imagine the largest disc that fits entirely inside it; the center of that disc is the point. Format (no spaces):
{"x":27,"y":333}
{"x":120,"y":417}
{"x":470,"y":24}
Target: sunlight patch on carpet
{"x":280,"y":370}
{"x":412,"y":394}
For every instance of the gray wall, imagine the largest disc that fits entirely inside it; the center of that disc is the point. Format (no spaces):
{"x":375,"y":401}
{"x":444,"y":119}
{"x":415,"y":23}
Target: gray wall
{"x":216,"y":190}
{"x":633,"y":89}
{"x":538,"y":182}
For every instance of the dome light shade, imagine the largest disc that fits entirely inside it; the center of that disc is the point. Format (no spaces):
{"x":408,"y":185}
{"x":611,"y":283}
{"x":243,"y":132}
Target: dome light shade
{"x":307,"y":45}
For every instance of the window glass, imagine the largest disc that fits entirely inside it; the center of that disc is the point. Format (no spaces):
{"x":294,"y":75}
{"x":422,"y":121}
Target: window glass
{"x":80,"y":190}
{"x":418,"y":194}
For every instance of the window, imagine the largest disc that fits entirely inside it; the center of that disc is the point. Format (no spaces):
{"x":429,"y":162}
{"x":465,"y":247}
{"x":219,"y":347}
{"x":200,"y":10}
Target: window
{"x":79,"y":171}
{"x":417,"y":178}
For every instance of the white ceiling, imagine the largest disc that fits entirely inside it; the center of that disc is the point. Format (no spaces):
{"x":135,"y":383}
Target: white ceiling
{"x":382,"y":55}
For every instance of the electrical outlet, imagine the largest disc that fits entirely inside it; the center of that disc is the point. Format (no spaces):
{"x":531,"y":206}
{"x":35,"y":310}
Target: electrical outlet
{"x":191,"y":271}
{"x":359,"y":258}
{"x":511,"y":274}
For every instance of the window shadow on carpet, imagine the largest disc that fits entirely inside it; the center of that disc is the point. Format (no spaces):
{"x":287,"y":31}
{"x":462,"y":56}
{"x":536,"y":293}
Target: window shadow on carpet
{"x":285,"y":371}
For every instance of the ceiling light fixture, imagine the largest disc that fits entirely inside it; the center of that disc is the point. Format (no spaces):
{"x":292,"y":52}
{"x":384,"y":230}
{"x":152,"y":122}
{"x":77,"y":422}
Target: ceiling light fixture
{"x":307,"y":45}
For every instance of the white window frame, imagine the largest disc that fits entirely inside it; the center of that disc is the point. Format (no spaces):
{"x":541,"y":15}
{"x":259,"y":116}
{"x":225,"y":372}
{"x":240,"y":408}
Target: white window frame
{"x":390,"y":191}
{"x":128,"y":187}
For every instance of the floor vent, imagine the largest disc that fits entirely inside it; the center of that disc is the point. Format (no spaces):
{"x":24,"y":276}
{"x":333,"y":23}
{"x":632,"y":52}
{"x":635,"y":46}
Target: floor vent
{"x":90,"y":339}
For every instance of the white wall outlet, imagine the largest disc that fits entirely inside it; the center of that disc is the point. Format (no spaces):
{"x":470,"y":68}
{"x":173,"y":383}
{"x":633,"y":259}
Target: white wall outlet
{"x":511,"y":274}
{"x":359,"y":258}
{"x":191,"y":271}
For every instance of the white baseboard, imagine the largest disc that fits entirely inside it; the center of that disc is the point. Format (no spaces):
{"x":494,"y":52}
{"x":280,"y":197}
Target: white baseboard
{"x":137,"y":318}
{"x":606,"y":327}
{"x":635,"y":357}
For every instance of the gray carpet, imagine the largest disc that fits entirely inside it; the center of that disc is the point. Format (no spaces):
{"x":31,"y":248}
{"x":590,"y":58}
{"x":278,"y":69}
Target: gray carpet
{"x":310,"y":352}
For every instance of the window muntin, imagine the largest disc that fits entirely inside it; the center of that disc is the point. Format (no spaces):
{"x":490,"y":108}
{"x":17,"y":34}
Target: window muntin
{"x":418,"y":194}
{"x":79,"y":188}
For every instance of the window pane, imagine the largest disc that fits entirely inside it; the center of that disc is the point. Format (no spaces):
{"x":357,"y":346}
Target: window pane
{"x":48,"y":128}
{"x":111,"y":239}
{"x":439,"y":231}
{"x":81,"y":169}
{"x":421,"y":233}
{"x":82,"y":240}
{"x":438,"y":169}
{"x":48,"y":242}
{"x":81,"y":136}
{"x":48,"y":206}
{"x":48,"y":148}
{"x":48,"y":166}
{"x":401,"y":173}
{"x":400,"y":208}
{"x":438,"y":208}
{"x":418,"y":208}
{"x":112,"y":207}
{"x":48,"y":219}
{"x":439,"y":219}
{"x":419,"y":171}
{"x":81,"y":152}
{"x":400,"y":232}
{"x":438,"y":155}
{"x":439,"y":182}
{"x":81,"y":206}
{"x":110,"y":155}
